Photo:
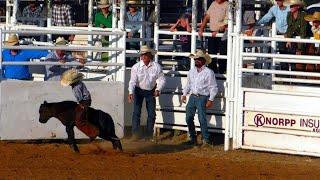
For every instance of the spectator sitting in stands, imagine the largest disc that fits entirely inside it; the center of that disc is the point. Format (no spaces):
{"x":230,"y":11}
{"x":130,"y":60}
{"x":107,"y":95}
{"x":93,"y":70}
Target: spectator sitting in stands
{"x":54,"y":72}
{"x":19,"y":72}
{"x":182,"y":24}
{"x":32,"y":13}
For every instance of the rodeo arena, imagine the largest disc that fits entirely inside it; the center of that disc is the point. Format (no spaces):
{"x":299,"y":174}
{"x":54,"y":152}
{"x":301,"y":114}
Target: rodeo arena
{"x":159,"y":89}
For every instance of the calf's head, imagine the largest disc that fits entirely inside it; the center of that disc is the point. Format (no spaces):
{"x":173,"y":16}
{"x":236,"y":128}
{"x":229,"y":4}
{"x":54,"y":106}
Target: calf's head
{"x":44,"y":112}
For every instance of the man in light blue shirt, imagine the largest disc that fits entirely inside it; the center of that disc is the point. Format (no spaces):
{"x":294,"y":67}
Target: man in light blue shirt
{"x":279,"y":12}
{"x":133,"y":17}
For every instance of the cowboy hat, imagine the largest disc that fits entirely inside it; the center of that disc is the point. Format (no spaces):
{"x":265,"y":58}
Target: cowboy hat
{"x":201,"y":54}
{"x":12,"y":40}
{"x":103,"y":4}
{"x":70,"y":76}
{"x":61,"y":41}
{"x":133,"y":2}
{"x":294,"y":2}
{"x":313,"y":17}
{"x":145,"y":49}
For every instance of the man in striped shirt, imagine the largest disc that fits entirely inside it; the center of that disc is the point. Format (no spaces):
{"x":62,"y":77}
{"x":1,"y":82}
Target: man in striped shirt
{"x":202,"y":86}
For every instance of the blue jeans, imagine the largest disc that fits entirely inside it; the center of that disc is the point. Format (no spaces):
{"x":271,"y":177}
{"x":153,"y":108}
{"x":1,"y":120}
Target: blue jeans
{"x":139,"y":95}
{"x":197,"y":103}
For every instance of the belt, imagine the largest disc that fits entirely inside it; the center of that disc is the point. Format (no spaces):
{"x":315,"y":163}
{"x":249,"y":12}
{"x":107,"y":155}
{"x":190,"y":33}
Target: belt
{"x":197,"y":95}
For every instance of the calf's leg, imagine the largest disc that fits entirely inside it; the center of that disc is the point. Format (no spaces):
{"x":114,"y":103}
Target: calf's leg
{"x":71,"y":139}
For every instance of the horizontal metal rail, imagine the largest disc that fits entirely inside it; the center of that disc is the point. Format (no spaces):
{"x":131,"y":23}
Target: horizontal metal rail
{"x":70,"y":48}
{"x":205,"y":34}
{"x":282,"y":131}
{"x":282,"y":56}
{"x":281,"y":72}
{"x":39,"y":32}
{"x":267,"y":91}
{"x":32,"y":63}
{"x":295,"y":80}
{"x":279,"y":39}
{"x":186,"y":54}
{"x":63,"y":28}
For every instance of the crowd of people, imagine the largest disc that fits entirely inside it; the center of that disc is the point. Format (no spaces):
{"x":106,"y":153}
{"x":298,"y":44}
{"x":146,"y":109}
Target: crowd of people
{"x":147,"y":79}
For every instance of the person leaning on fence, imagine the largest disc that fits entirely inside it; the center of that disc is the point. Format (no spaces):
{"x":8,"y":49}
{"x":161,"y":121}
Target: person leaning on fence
{"x":314,"y":48}
{"x":216,"y":15}
{"x":297,"y":26}
{"x":146,"y":82}
{"x":103,"y":19}
{"x":133,"y":18}
{"x":32,"y":13}
{"x":19,"y":72}
{"x":183,"y":24}
{"x":54,"y":72}
{"x":201,"y":84}
{"x":74,"y":79}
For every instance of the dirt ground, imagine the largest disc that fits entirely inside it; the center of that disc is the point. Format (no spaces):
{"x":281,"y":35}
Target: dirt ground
{"x":168,"y":159}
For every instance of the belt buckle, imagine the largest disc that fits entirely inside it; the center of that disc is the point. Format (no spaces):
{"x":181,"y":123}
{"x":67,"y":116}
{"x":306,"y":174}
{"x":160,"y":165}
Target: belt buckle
{"x":197,"y":95}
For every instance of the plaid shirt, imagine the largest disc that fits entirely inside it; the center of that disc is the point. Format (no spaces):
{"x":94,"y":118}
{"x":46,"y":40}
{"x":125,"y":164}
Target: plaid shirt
{"x":61,"y":15}
{"x":27,"y":12}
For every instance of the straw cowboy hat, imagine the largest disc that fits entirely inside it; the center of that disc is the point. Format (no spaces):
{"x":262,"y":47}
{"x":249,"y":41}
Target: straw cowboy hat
{"x":60,"y":41}
{"x":294,"y":2}
{"x":12,"y":40}
{"x":201,"y":54}
{"x":145,"y":49}
{"x":70,"y":76}
{"x":103,"y":4}
{"x":313,"y":17}
{"x":130,"y":2}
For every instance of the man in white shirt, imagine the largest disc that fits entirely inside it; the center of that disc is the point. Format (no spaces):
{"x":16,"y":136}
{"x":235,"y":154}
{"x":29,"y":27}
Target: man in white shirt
{"x":146,"y":82}
{"x":202,"y":86}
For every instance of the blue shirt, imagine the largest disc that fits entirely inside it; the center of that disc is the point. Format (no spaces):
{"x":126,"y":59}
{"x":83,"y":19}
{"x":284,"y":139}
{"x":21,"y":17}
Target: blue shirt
{"x":279,"y":15}
{"x":80,"y":91}
{"x":135,"y":27}
{"x":20,"y":72}
{"x":54,"y":72}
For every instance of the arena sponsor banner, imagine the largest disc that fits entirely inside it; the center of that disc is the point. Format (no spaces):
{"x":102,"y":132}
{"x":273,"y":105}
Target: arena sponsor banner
{"x":284,"y":121}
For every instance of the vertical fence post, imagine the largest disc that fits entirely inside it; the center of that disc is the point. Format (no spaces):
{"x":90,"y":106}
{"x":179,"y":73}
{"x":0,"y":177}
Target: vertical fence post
{"x":156,"y":28}
{"x":229,"y":86}
{"x":1,"y":40}
{"x":237,"y":87}
{"x":194,"y":30}
{"x":90,"y":25}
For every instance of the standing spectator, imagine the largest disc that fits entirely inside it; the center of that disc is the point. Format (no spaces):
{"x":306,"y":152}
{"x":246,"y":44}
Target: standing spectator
{"x":32,"y":13}
{"x":216,"y":15}
{"x":278,"y":12}
{"x":146,"y":82}
{"x":54,"y":72}
{"x":182,"y":24}
{"x":133,"y":19}
{"x":202,"y":86}
{"x":315,"y":19}
{"x":19,"y":72}
{"x":297,"y":26}
{"x":133,"y":23}
{"x":103,"y":19}
{"x":61,"y":14}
